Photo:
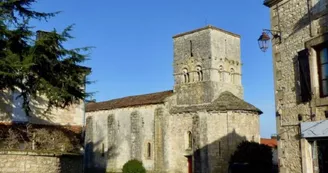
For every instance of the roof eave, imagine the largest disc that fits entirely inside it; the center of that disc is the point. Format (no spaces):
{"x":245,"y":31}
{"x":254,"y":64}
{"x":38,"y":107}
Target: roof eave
{"x":204,"y":28}
{"x":122,"y":107}
{"x":270,"y":3}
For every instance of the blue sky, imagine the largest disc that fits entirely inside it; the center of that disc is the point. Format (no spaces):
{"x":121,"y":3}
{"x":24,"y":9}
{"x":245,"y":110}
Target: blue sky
{"x":134,"y":48}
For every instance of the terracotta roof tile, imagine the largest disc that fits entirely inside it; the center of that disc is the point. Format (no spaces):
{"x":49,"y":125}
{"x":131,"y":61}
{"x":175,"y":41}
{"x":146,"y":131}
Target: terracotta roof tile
{"x":228,"y":101}
{"x":131,"y":101}
{"x":269,"y":142}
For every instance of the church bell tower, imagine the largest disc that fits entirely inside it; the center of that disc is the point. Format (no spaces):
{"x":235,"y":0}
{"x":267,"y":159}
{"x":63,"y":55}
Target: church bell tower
{"x":206,"y":63}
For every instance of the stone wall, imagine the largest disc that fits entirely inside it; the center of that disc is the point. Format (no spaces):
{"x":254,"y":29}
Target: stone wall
{"x":129,"y":130}
{"x":29,"y":162}
{"x":11,"y":110}
{"x":303,"y":24}
{"x":215,"y":137}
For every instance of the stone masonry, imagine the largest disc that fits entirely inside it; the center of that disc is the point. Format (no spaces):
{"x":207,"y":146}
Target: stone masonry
{"x":303,"y":24}
{"x":196,"y":126}
{"x":29,"y":162}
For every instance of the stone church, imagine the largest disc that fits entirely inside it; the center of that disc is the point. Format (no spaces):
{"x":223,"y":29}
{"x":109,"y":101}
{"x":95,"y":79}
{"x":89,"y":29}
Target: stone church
{"x":193,"y":128}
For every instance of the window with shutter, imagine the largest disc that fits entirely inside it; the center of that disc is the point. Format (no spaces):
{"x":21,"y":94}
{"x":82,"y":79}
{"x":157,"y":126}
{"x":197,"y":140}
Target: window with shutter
{"x":322,"y":53}
{"x":304,"y":75}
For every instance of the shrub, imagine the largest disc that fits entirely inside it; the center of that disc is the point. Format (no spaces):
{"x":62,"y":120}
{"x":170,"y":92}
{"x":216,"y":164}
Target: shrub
{"x":251,"y":157}
{"x":27,"y":137}
{"x":133,"y":166}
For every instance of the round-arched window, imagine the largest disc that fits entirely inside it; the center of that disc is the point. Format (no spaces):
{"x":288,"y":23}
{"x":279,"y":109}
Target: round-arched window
{"x":148,"y":150}
{"x":221,"y":73}
{"x":185,"y":75}
{"x":189,"y":139}
{"x":232,"y":75}
{"x":199,"y":73}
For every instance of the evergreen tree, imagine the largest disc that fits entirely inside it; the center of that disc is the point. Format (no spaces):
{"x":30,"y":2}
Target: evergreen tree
{"x":42,"y":66}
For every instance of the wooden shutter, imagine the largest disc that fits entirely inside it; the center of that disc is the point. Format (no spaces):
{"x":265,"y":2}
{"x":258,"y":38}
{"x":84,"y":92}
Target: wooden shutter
{"x":304,"y":74}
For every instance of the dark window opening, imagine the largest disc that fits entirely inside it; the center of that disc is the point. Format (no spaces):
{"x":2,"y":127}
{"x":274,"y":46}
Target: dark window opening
{"x":304,"y":75}
{"x":323,"y":70}
{"x":191,"y":54}
{"x":149,"y":150}
{"x":323,"y":155}
{"x":320,"y":155}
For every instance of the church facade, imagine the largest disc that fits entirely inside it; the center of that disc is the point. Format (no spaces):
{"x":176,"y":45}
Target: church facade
{"x":193,"y":128}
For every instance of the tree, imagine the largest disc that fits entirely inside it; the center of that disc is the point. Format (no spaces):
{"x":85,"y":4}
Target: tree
{"x":39,"y":67}
{"x":251,"y":157}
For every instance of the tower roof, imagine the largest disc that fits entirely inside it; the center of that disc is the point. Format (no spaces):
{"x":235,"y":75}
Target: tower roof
{"x":225,"y":102}
{"x":228,"y":101}
{"x":204,"y":28}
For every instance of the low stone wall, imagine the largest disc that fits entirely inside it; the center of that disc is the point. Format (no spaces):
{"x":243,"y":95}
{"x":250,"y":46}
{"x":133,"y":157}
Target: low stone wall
{"x":32,"y":162}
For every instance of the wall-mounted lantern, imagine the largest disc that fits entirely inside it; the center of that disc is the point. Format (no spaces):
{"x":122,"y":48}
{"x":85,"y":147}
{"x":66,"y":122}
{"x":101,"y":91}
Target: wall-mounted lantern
{"x":264,"y":39}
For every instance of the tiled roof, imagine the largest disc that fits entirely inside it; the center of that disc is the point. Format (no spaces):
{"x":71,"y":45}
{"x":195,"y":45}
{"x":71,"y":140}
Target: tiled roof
{"x":204,"y":28}
{"x":225,"y":102}
{"x":131,"y":101}
{"x":228,"y":101}
{"x":269,"y":142}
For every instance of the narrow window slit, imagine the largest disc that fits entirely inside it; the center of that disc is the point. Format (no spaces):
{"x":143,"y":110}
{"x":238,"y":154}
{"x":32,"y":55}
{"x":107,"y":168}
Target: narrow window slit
{"x":191,"y":54}
{"x":149,"y":150}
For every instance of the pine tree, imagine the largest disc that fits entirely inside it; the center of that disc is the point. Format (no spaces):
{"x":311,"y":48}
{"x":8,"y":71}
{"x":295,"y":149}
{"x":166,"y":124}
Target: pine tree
{"x":42,"y":66}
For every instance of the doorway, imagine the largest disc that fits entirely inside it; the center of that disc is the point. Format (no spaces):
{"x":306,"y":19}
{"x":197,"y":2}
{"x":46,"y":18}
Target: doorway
{"x":189,"y":164}
{"x":322,"y":146}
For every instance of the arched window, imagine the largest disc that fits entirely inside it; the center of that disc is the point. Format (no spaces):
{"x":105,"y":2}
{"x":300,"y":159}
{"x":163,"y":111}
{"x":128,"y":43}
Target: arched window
{"x":199,"y":73}
{"x":221,"y":73}
{"x":148,"y":150}
{"x":189,"y":140}
{"x":185,"y":75}
{"x":232,"y":75}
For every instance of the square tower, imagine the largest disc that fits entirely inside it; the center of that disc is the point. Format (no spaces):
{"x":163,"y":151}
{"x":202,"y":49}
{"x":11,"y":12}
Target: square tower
{"x":206,"y":63}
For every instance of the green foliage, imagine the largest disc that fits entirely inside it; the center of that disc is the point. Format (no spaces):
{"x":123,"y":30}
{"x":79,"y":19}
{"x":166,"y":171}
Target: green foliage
{"x":255,"y":157}
{"x":41,"y":66}
{"x":133,"y":166}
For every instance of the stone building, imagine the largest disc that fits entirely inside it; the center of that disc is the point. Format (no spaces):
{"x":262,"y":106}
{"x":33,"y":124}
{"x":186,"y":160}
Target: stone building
{"x":193,"y":128}
{"x":300,"y":58}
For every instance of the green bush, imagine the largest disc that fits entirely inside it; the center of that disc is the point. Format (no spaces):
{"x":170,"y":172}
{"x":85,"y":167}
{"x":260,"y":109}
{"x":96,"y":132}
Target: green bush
{"x":133,"y":166}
